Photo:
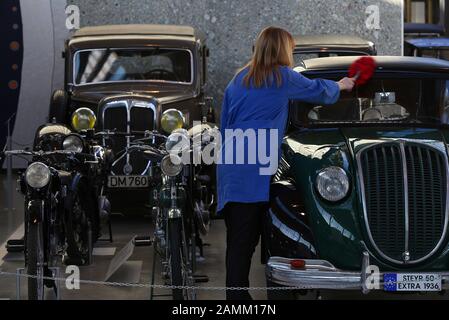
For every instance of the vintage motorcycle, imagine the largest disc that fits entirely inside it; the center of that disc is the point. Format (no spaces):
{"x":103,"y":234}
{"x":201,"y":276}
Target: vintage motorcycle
{"x":62,"y":203}
{"x":181,"y":197}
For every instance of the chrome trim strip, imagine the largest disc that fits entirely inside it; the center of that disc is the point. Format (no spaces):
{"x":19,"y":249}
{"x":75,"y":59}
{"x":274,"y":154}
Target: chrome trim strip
{"x":320,"y":274}
{"x":406,"y":198}
{"x":363,"y":197}
{"x":192,"y":68}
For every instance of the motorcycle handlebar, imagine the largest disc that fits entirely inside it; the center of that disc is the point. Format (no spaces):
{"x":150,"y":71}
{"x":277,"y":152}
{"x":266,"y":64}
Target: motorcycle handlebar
{"x":147,"y":134}
{"x":43,"y":154}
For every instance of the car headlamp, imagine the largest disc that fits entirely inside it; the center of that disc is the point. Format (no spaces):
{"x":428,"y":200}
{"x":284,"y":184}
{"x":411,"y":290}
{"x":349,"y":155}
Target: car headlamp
{"x":332,"y":184}
{"x":171,"y":120}
{"x":73,"y":143}
{"x":178,"y":142}
{"x":37,"y":175}
{"x":83,"y":119}
{"x":171,"y":165}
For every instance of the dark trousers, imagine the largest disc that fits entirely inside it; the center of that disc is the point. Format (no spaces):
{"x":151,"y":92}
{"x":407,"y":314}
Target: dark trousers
{"x":243,"y":229}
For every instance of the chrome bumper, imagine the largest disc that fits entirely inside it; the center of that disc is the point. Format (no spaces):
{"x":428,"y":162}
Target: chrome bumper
{"x":321,"y":274}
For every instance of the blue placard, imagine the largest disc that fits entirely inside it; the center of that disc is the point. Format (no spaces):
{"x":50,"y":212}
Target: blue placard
{"x":390,"y":282}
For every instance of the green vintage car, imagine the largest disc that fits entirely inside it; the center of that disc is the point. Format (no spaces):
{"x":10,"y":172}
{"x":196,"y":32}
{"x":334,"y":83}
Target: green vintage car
{"x":362,"y":185}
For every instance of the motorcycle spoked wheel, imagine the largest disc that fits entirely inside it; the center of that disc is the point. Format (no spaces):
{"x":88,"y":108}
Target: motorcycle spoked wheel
{"x":77,"y":226}
{"x":35,"y":261}
{"x":178,"y":261}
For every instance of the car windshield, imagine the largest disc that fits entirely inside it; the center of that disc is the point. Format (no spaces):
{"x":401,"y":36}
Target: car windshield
{"x":149,"y":64}
{"x":388,"y":100}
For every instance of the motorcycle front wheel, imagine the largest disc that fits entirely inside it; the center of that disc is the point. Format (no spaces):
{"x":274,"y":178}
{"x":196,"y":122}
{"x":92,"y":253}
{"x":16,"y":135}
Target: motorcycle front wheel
{"x":178,"y":260}
{"x":77,"y":226}
{"x":35,"y":261}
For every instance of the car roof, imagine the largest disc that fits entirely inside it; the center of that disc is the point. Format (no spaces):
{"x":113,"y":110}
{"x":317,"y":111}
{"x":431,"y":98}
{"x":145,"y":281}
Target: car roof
{"x":439,"y":42}
{"x":187,"y":32}
{"x":423,"y":28}
{"x":383,"y":62}
{"x":330,"y":40}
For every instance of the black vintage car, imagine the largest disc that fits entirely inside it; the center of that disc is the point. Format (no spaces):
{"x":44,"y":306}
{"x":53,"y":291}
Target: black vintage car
{"x":413,"y":30}
{"x":133,"y":79}
{"x":329,"y":45}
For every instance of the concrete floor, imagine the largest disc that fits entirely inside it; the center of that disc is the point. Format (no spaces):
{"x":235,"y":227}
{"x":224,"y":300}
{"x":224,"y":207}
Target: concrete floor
{"x":124,"y":229}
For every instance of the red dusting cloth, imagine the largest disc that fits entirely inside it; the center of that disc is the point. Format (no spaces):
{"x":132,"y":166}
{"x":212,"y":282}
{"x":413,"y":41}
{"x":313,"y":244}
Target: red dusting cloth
{"x":363,"y":70}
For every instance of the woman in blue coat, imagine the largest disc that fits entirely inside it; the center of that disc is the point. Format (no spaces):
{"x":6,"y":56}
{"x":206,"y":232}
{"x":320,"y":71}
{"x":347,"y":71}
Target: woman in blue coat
{"x":253,"y":120}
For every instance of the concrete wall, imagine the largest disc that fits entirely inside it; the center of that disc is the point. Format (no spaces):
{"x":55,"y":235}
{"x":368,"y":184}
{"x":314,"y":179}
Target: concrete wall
{"x":44,"y":32}
{"x":232,"y":25}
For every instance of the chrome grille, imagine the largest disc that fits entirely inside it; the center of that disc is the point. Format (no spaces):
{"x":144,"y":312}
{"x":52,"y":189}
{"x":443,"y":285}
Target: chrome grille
{"x":404,"y":190}
{"x":128,"y":115}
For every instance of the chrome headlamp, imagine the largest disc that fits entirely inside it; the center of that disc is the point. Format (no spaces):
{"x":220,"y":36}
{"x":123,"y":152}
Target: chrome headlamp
{"x":332,"y":184}
{"x":171,"y":165}
{"x":73,"y":143}
{"x":178,"y":142}
{"x":37,"y":175}
{"x":83,"y":119}
{"x":171,"y":120}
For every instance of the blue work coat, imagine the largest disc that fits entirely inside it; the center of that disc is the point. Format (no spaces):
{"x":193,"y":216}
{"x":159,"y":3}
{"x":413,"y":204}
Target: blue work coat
{"x":263,"y":109}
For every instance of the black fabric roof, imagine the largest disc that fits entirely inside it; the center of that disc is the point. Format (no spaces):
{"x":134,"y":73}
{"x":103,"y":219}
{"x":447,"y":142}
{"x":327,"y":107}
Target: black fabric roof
{"x":423,"y":28}
{"x":385,"y":62}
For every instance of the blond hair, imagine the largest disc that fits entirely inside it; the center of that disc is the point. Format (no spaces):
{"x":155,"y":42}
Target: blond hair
{"x":273,"y":48}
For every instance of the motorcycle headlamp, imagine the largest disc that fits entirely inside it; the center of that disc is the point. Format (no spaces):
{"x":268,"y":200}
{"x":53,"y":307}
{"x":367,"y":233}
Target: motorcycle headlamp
{"x":37,"y":175}
{"x":171,"y":165}
{"x":83,"y":119}
{"x":73,"y":143}
{"x":332,"y":184}
{"x":171,"y":120}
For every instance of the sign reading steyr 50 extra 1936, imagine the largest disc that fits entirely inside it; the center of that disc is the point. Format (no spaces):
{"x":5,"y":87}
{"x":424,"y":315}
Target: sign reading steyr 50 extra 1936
{"x":412,"y":282}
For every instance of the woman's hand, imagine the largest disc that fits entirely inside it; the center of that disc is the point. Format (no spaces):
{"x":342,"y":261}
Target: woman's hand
{"x":346,"y":84}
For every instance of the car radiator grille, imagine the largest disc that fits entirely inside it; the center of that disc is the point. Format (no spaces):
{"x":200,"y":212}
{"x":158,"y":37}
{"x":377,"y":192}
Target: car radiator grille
{"x":404,"y":188}
{"x":116,"y":117}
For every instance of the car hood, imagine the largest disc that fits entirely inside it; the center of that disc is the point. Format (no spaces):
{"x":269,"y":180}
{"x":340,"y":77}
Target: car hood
{"x":358,"y":138}
{"x":93,"y":94}
{"x":314,"y":142}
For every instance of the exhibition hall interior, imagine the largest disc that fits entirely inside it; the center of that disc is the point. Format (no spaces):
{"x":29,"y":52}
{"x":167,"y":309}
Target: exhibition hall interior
{"x":115,"y":122}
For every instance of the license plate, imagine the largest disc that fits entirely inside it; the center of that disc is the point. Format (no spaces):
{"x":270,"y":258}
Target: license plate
{"x":128,"y":182}
{"x":412,"y":282}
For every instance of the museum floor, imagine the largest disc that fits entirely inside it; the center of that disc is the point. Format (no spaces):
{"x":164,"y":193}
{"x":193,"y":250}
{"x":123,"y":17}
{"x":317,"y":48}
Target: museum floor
{"x":124,"y":229}
{"x":138,"y":267}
